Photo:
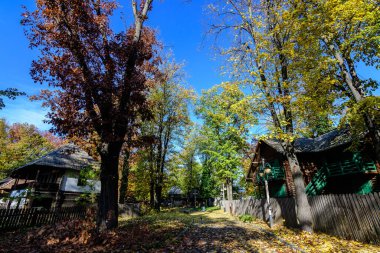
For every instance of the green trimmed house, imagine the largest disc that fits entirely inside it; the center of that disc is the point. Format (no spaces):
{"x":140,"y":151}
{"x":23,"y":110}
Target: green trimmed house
{"x":327,"y":166}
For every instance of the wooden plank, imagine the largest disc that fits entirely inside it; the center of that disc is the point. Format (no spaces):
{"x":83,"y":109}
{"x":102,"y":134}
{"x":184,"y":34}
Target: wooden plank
{"x":372,"y":218}
{"x":353,"y":222}
{"x":354,"y":200}
{"x":345,"y":216}
{"x":375,"y":212}
{"x":334,"y":216}
{"x":322,"y":204}
{"x":376,"y":196}
{"x":366,"y":228}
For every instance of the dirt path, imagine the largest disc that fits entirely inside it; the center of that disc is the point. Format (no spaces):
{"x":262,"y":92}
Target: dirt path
{"x":218,"y":232}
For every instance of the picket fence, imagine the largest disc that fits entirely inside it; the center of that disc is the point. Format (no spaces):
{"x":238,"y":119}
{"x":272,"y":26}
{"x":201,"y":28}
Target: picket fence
{"x":17,"y":218}
{"x":348,"y":216}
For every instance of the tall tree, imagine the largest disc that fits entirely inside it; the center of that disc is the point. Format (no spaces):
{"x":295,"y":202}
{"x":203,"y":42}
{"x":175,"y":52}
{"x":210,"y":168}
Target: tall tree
{"x":99,"y":76}
{"x":264,"y":55}
{"x":190,"y":169}
{"x":227,"y":114}
{"x":170,"y":101}
{"x":348,"y":32}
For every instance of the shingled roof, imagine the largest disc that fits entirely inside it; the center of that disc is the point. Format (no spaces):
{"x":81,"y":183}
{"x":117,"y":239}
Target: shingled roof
{"x":68,"y":156}
{"x":324,"y":142}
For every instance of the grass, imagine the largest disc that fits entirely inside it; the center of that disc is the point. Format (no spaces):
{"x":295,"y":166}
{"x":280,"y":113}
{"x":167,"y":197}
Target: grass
{"x":246,"y":218}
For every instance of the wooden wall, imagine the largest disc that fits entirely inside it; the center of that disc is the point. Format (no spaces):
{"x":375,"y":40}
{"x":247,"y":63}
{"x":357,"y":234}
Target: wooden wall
{"x":349,"y":216}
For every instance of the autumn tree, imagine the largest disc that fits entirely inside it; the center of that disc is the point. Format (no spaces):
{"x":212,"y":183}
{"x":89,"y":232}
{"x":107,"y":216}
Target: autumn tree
{"x":22,"y":143}
{"x":189,"y":170}
{"x":97,"y":78}
{"x":227,"y":115}
{"x":170,"y":101}
{"x":264,"y":56}
{"x":347,"y":32}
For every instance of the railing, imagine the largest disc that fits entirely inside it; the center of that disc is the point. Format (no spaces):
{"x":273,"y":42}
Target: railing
{"x":277,"y":172}
{"x":17,"y":218}
{"x":318,"y":183}
{"x":38,"y":186}
{"x":338,"y":168}
{"x":348,"y":166}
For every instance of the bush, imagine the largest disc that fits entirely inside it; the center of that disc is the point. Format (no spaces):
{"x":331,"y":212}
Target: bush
{"x":246,"y":218}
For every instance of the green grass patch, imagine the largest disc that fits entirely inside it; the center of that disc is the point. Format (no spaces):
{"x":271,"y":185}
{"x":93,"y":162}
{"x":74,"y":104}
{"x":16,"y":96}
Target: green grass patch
{"x":212,"y":208}
{"x":246,"y":218}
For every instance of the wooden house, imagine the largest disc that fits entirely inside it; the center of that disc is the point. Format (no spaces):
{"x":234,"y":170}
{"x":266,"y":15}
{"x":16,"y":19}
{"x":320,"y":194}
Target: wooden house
{"x":52,"y":180}
{"x":326,"y":163}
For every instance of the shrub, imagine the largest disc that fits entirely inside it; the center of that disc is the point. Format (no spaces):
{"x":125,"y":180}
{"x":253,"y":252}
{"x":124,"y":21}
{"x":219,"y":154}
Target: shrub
{"x":246,"y":218}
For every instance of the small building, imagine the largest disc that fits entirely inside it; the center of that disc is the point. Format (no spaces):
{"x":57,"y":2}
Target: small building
{"x":176,"y":196}
{"x":51,"y":181}
{"x":327,"y":165}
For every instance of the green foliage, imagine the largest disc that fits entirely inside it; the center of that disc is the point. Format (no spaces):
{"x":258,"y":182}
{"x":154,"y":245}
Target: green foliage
{"x":20,"y":144}
{"x":356,"y":118}
{"x":227,"y":115}
{"x":166,"y":129}
{"x":246,"y":218}
{"x":186,"y":170}
{"x":88,"y":176}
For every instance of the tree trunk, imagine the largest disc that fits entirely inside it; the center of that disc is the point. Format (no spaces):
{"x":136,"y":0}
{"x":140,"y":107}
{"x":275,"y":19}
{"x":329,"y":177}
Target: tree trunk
{"x":124,"y":177}
{"x":109,"y":177}
{"x":158,"y":197}
{"x":229,"y":195}
{"x":151,"y":193}
{"x":151,"y":175}
{"x":303,"y":209}
{"x":229,"y":189}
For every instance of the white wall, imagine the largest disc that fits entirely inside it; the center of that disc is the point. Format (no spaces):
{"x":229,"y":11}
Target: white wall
{"x":70,"y":184}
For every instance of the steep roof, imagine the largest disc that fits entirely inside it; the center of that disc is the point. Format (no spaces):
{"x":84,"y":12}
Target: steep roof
{"x":324,"y":142}
{"x":68,"y":156}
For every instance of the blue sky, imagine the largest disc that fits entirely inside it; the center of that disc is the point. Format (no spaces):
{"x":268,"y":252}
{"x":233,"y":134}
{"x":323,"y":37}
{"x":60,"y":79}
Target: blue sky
{"x":181,"y":25}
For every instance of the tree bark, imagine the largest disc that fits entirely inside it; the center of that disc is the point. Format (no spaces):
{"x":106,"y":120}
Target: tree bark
{"x":151,"y":193}
{"x":303,"y":210}
{"x":109,"y":177}
{"x":229,"y":195}
{"x":158,"y":197}
{"x":151,"y":175}
{"x":124,"y":177}
{"x":229,"y":189}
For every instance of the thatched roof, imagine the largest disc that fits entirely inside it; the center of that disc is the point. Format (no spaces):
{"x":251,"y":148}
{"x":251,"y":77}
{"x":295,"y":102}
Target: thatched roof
{"x":321,"y":143}
{"x":69,"y":156}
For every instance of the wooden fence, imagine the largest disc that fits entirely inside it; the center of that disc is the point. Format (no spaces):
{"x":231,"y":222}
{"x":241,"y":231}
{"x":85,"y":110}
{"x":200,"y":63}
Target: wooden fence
{"x":16,"y":218}
{"x":349,"y":216}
